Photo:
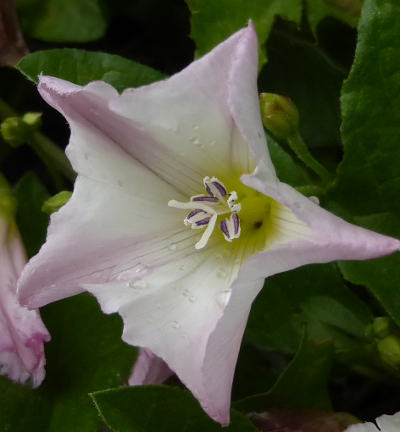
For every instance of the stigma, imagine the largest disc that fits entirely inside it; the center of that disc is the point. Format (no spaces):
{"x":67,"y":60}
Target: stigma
{"x":215,"y":208}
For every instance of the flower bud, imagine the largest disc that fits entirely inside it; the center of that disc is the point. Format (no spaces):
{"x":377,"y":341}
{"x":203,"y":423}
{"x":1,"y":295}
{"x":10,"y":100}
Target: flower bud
{"x":381,"y":327}
{"x":14,"y":131}
{"x":54,"y":203}
{"x":389,"y":350}
{"x":279,"y":115}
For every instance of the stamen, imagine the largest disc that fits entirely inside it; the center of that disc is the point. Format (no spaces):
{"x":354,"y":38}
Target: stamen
{"x":191,"y":206}
{"x":207,"y":233}
{"x":204,"y":198}
{"x":214,"y":187}
{"x":236,"y":223}
{"x":206,"y":209}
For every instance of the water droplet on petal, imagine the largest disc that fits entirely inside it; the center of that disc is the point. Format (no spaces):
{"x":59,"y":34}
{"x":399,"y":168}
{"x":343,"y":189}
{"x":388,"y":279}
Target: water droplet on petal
{"x":138,"y":284}
{"x":221,"y":273}
{"x":182,"y":267}
{"x":175,"y":324}
{"x":185,"y":292}
{"x":195,"y":140}
{"x":223,"y":297}
{"x":192,"y":298}
{"x":172,"y":246}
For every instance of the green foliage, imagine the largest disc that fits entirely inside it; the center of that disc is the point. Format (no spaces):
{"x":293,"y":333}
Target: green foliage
{"x":32,"y":222}
{"x":344,"y":10}
{"x":315,"y":295}
{"x":297,"y":68}
{"x":82,"y":67}
{"x":63,"y":20}
{"x":368,"y":178}
{"x":161,"y":409}
{"x":302,"y":385}
{"x":84,"y":355}
{"x":224,"y":17}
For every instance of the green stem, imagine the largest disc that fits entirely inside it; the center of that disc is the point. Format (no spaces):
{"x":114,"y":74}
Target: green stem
{"x":53,"y":157}
{"x":299,"y":147}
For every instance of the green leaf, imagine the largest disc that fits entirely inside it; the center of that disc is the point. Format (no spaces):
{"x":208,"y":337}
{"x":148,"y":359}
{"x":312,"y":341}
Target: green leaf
{"x":302,"y":385}
{"x":223,"y":17}
{"x":62,"y":20}
{"x":159,"y":409}
{"x":315,"y":295}
{"x":298,"y":69}
{"x":368,"y":178}
{"x":381,"y":276}
{"x":32,"y":222}
{"x":85,"y":354}
{"x":344,"y":10}
{"x":82,"y":67}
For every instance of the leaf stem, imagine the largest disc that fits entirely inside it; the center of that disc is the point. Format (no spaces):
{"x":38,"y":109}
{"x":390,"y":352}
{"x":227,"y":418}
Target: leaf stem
{"x":299,"y":147}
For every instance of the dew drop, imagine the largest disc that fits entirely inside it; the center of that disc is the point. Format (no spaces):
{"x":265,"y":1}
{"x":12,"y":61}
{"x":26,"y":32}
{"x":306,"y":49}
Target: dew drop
{"x":192,"y":298}
{"x":175,"y":324}
{"x":182,"y":267}
{"x":138,"y":284}
{"x":223,"y":297}
{"x":172,"y":246}
{"x":185,"y":292}
{"x":195,"y":140}
{"x":221,"y":273}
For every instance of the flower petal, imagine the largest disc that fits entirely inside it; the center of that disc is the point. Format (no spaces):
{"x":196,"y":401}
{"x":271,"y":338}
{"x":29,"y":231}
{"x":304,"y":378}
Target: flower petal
{"x":190,"y":114}
{"x":22,"y":332}
{"x":389,"y":423}
{"x":174,"y":311}
{"x":244,"y":102}
{"x":330,"y":238}
{"x":149,"y":369}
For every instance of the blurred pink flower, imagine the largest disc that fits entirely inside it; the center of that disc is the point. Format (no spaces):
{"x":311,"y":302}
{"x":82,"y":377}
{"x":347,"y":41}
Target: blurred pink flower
{"x":177,"y":216}
{"x":22,"y":331}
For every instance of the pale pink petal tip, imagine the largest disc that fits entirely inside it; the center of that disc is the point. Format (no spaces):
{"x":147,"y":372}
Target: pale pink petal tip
{"x":149,"y":369}
{"x":22,"y":332}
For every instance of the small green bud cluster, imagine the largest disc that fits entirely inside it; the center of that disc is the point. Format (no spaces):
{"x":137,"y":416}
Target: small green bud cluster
{"x":387,"y":339}
{"x":17,"y":130}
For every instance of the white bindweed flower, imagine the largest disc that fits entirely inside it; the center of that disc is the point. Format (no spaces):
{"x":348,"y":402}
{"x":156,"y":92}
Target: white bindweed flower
{"x":384,"y":423}
{"x":22,"y":331}
{"x":177,"y":216}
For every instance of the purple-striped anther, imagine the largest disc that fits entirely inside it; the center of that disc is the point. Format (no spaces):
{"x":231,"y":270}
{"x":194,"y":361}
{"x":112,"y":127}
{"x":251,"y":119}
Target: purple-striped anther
{"x":205,"y":198}
{"x":206,"y":210}
{"x":214,"y":187}
{"x":236,"y":223}
{"x":223,"y":226}
{"x":203,"y":222}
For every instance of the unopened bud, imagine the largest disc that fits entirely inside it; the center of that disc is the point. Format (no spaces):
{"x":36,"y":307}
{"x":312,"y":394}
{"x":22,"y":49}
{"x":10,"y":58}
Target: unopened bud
{"x":14,"y":130}
{"x":389,"y":350}
{"x":54,"y":203}
{"x":33,"y":119}
{"x":279,"y":115}
{"x":381,"y":327}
